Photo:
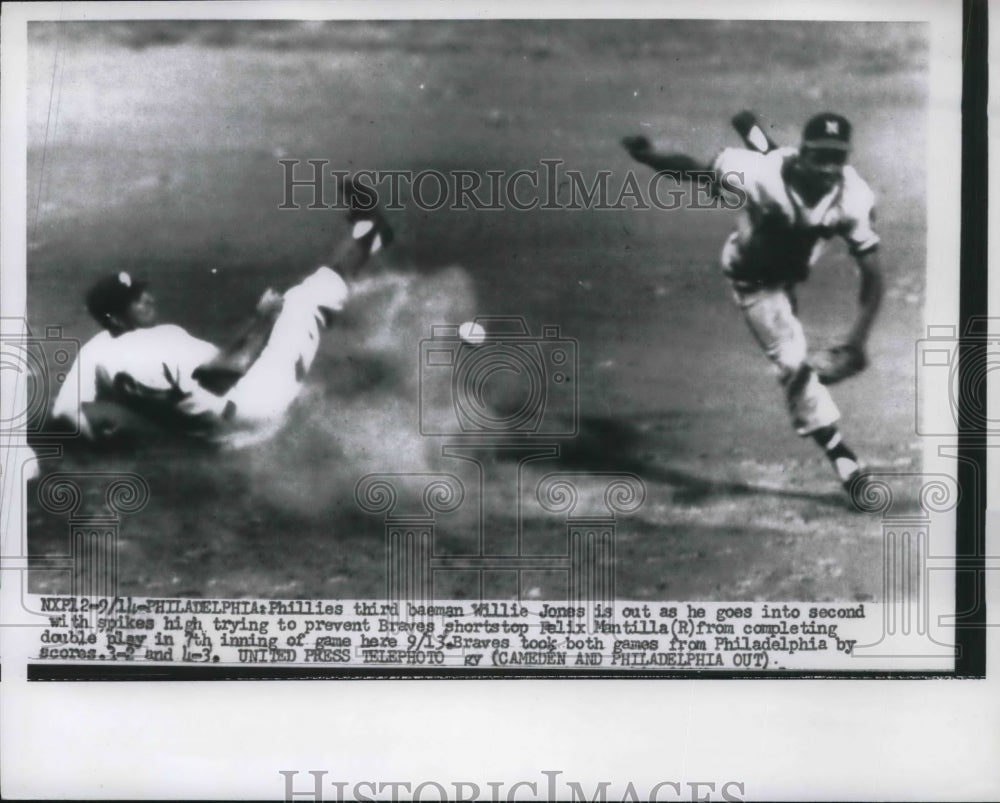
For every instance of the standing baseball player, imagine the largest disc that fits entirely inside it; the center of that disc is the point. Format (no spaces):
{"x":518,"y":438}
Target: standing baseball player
{"x":138,"y":375}
{"x":794,"y":200}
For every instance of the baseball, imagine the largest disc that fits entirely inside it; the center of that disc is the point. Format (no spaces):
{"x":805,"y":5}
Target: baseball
{"x":472,"y":332}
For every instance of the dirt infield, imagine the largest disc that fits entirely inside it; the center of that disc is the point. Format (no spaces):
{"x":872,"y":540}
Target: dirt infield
{"x":155,"y":149}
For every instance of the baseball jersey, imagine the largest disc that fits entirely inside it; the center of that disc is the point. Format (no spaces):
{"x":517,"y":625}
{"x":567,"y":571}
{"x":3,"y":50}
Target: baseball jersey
{"x":152,"y":369}
{"x":780,"y":236}
{"x":158,"y":360}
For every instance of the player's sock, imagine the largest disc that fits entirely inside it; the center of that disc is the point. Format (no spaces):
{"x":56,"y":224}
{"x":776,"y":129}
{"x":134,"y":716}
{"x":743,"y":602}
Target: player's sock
{"x":843,"y":459}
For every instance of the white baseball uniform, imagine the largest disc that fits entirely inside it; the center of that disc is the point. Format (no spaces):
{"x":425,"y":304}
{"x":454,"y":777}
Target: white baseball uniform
{"x":775,"y":243}
{"x":163,"y":358}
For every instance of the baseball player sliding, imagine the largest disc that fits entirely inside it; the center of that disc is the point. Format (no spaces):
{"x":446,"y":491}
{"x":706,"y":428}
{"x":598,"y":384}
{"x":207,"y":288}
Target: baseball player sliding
{"x":795,"y":199}
{"x":139,"y":376}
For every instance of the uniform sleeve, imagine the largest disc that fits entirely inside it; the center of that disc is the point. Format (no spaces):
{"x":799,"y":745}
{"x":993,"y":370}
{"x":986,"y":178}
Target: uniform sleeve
{"x":859,"y":214}
{"x":158,"y":365}
{"x":187,"y":348}
{"x":79,"y":387}
{"x":737,"y":169}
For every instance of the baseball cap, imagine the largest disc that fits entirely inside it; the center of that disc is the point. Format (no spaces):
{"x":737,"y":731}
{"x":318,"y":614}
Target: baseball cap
{"x":112,"y":295}
{"x":827,"y":131}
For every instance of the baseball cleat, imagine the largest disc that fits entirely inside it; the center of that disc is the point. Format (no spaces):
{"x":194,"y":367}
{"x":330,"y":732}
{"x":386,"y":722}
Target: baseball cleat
{"x":856,"y":486}
{"x":369,"y":227}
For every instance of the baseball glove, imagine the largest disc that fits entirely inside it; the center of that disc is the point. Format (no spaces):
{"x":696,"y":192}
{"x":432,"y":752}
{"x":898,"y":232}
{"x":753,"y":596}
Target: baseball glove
{"x":838,"y":363}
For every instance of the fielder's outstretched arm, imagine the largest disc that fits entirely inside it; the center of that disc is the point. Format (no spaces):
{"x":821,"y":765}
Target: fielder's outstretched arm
{"x":676,"y":164}
{"x":869,"y":297}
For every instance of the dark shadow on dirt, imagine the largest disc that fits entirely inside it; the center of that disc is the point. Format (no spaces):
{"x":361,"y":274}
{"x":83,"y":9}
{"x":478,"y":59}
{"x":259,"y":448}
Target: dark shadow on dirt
{"x":608,"y":444}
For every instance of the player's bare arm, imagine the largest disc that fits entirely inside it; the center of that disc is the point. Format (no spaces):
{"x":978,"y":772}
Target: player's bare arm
{"x":848,"y":358}
{"x":678,"y":165}
{"x":869,"y":298}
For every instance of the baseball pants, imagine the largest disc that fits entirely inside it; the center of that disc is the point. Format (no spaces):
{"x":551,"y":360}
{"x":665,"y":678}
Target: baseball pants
{"x":770,"y":314}
{"x":262,"y":396}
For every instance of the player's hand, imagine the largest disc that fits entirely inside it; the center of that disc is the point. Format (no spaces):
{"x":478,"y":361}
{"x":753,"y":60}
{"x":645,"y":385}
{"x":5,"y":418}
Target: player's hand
{"x":637,"y":145}
{"x":175,"y":393}
{"x":839,"y":362}
{"x":270,"y":303}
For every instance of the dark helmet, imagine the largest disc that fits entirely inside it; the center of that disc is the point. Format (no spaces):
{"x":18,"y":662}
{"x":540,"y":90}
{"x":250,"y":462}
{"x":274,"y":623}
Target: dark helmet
{"x":112,"y":295}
